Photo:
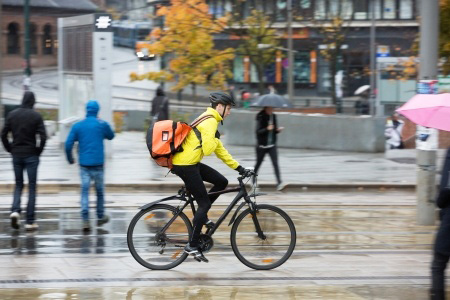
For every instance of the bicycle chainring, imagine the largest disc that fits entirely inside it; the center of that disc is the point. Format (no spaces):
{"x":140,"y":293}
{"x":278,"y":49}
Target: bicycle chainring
{"x":206,"y":242}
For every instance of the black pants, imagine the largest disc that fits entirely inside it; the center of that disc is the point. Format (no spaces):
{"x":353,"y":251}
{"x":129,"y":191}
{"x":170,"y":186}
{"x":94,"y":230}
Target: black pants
{"x":438,"y":267}
{"x":193,"y":177}
{"x":30,"y":164}
{"x":261,"y":152}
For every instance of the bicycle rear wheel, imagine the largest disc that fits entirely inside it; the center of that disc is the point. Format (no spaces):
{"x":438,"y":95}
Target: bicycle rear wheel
{"x":271,"y":250}
{"x":155,"y":249}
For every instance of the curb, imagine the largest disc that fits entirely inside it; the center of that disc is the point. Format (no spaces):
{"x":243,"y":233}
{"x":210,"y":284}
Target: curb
{"x":55,"y":187}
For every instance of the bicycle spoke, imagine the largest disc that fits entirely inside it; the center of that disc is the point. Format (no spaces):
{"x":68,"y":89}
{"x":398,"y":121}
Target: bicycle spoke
{"x":152,"y":244}
{"x":274,"y":248}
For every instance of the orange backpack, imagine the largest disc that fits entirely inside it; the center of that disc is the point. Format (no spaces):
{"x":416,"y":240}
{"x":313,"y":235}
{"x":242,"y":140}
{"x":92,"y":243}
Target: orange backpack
{"x":164,"y":139}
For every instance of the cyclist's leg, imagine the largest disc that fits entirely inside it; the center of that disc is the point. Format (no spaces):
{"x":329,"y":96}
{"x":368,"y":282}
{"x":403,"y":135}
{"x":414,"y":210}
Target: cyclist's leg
{"x":213,"y":176}
{"x":274,"y":157}
{"x":194,"y":184}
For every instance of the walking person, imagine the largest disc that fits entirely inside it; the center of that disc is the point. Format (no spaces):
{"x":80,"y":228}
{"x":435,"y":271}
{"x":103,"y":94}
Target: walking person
{"x":266,"y":135}
{"x":393,"y":132}
{"x":90,"y":133}
{"x":442,"y":242}
{"x":24,"y":123}
{"x":160,"y":106}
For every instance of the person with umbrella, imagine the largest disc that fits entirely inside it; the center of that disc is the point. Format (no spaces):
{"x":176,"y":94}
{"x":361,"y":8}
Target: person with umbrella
{"x":433,"y":111}
{"x":266,"y":132}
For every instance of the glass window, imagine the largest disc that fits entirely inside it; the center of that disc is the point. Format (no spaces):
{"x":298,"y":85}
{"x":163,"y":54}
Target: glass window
{"x":281,"y":10}
{"x":302,"y":67}
{"x":347,"y":9}
{"x":377,"y":9}
{"x":13,"y":38}
{"x":33,"y":39}
{"x":333,"y":9}
{"x":406,"y":9}
{"x":238,"y":69}
{"x":389,"y":9}
{"x":305,"y":4}
{"x":320,"y":11}
{"x":47,"y":44}
{"x":361,"y":8}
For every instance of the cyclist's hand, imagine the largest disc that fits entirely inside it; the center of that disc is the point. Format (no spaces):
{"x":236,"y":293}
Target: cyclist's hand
{"x":244,"y":172}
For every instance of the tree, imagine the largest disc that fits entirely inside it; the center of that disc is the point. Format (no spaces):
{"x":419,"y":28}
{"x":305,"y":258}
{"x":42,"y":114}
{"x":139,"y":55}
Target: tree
{"x":252,"y":31}
{"x":334,"y":33}
{"x":188,"y":38}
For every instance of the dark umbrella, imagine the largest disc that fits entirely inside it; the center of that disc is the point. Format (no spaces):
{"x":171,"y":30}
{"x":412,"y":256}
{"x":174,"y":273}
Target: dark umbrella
{"x":272,"y":100}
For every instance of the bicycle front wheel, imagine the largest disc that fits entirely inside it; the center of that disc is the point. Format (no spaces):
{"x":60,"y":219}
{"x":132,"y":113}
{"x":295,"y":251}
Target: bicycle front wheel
{"x":269,"y":249}
{"x":153,"y":247}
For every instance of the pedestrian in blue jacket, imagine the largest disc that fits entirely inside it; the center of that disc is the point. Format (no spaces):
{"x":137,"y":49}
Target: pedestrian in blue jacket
{"x":90,"y":133}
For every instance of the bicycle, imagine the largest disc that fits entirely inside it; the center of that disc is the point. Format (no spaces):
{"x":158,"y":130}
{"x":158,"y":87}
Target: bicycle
{"x":263,"y":236}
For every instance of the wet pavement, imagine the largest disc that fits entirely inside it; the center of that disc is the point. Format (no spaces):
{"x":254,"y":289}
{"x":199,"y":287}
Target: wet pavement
{"x":131,"y":165}
{"x":360,"y":245}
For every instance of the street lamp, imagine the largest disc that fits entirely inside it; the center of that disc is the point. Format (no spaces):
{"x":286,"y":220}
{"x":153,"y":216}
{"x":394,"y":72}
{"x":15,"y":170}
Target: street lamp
{"x":27,"y":71}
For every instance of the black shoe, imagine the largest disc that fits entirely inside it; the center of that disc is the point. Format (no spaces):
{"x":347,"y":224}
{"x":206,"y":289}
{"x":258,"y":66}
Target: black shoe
{"x":210,"y":224}
{"x":196,"y":253}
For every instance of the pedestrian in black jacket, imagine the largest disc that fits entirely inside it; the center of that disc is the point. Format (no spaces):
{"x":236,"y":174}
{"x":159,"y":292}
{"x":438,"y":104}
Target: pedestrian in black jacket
{"x":160,"y":106}
{"x":24,"y":123}
{"x":442,"y":243}
{"x":266,"y":135}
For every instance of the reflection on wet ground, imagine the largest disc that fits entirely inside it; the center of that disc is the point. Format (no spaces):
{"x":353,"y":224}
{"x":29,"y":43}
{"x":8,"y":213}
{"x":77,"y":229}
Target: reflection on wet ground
{"x":389,"y":292}
{"x":334,"y":228}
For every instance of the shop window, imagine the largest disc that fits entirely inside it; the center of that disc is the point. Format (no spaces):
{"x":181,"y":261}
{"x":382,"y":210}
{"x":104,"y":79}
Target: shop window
{"x":406,"y":9}
{"x":238,"y":69}
{"x":13,"y":39}
{"x":47,"y":41}
{"x":33,"y":39}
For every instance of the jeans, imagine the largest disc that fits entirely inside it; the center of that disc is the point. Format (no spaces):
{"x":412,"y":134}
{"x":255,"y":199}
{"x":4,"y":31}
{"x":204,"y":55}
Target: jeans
{"x":261,"y":152}
{"x":29,"y":163}
{"x":438,"y":267}
{"x":193,"y":177}
{"x":88,"y":174}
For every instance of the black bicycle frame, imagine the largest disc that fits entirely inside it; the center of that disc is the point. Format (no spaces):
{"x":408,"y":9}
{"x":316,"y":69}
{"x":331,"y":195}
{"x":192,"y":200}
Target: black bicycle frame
{"x":242,"y":194}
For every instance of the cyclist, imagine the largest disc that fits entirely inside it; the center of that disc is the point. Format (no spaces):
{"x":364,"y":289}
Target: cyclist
{"x":187,"y":165}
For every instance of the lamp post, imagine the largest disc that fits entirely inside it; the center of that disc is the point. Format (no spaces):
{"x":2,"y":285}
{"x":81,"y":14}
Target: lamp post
{"x":290,"y":53}
{"x":27,"y":71}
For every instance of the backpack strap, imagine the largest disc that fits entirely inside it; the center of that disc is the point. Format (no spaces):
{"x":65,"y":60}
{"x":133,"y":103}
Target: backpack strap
{"x":196,"y":131}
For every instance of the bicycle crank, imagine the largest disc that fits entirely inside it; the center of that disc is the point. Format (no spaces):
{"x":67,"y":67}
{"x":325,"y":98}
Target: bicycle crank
{"x":206,"y":242}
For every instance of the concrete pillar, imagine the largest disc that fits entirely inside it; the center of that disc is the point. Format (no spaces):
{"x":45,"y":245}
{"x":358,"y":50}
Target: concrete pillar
{"x":426,"y":159}
{"x":426,"y":187}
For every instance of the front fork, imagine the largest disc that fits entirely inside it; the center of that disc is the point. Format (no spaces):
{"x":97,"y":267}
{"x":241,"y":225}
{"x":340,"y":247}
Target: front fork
{"x":254,"y":212}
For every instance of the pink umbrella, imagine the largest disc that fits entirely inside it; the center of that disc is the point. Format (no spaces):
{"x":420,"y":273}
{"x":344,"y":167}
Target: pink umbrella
{"x":428,"y":110}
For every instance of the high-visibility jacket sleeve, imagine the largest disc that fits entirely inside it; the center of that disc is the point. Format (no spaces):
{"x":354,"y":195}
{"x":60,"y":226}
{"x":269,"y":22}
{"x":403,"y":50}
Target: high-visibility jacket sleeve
{"x":208,"y":130}
{"x":226,"y":157}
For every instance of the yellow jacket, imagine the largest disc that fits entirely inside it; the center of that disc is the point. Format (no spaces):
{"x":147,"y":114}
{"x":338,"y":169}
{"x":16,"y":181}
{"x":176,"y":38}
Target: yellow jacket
{"x":192,"y":155}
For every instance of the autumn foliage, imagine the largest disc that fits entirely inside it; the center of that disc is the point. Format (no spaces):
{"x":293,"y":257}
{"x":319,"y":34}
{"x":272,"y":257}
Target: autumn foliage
{"x":188,"y":38}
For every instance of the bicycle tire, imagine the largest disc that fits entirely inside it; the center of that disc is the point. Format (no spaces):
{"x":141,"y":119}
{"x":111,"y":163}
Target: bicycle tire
{"x":132,"y":241}
{"x":265,"y":263}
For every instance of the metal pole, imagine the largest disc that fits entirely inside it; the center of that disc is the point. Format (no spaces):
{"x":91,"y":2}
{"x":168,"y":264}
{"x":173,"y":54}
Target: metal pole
{"x":372,"y":62}
{"x":426,"y":157}
{"x":1,"y":70}
{"x":290,"y":53}
{"x":27,"y":70}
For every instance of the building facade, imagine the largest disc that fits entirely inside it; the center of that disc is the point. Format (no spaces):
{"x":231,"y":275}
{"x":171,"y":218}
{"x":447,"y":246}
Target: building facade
{"x":396,"y":29}
{"x":43,"y":30}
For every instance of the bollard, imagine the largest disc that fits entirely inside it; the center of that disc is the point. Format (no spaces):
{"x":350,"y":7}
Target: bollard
{"x":426,"y":187}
